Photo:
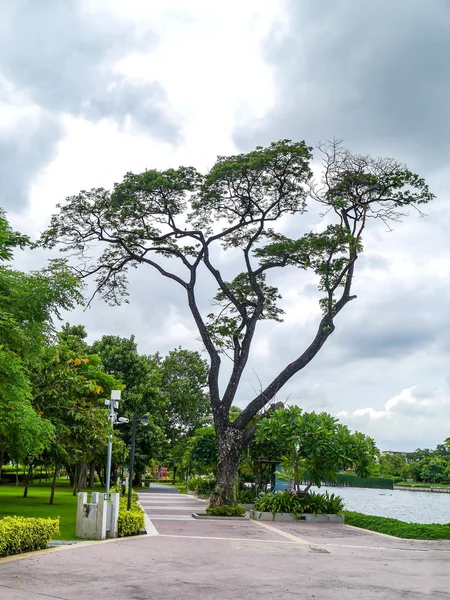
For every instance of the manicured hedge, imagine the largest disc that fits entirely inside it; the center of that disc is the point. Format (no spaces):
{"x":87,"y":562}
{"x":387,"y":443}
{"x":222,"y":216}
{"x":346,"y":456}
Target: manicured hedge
{"x":130,"y":522}
{"x":226,"y":510}
{"x":352,"y":480}
{"x":401,"y":529}
{"x":21,"y":534}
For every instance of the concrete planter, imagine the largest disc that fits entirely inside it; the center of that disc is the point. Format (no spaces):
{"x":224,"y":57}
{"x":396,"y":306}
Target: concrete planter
{"x":218,"y":518}
{"x":288,"y":518}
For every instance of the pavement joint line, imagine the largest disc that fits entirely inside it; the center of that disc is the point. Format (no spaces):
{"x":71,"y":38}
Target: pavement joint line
{"x":285,"y":534}
{"x":204,"y":537}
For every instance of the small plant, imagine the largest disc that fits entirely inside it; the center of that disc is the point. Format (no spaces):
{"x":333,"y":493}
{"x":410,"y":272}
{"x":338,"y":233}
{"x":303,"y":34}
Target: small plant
{"x":226,"y":510}
{"x":294,"y":504}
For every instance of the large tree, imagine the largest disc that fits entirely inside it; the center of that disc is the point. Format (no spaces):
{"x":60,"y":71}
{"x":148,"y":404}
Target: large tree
{"x":179,"y":223}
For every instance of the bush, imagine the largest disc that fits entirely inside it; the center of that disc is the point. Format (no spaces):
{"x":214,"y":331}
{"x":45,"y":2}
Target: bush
{"x":226,"y":510}
{"x":21,"y":534}
{"x":289,"y":502}
{"x":130,"y":522}
{"x":202,"y":486}
{"x":247,"y":495}
{"x":401,"y":529}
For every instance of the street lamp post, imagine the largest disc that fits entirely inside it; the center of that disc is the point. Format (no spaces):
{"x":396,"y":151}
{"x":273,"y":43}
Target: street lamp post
{"x":113,"y":404}
{"x":144,"y":421}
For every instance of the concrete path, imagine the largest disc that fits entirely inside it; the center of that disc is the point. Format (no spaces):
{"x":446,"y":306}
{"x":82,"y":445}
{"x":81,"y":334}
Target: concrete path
{"x":160,"y":488}
{"x":221,"y":560}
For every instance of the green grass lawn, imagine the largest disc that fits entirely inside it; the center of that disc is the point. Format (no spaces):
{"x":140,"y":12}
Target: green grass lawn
{"x":401,"y":529}
{"x":36,"y":505}
{"x":415,"y":484}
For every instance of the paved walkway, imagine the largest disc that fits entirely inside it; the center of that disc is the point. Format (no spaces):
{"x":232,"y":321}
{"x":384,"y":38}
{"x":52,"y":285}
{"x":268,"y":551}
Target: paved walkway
{"x":190,"y":559}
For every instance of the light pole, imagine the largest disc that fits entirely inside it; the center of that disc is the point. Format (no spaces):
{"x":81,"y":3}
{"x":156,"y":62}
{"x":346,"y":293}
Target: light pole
{"x":113,"y":404}
{"x":144,"y":421}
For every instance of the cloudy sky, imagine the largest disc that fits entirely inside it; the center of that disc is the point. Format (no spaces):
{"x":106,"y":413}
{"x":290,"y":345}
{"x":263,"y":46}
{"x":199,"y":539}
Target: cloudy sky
{"x":90,"y":89}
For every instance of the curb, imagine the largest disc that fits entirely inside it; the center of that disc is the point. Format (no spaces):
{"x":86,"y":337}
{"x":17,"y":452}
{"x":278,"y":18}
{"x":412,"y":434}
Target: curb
{"x":206,"y":517}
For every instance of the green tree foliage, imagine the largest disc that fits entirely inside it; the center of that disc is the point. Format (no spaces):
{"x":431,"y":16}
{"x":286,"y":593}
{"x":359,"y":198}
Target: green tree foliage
{"x":314,"y":447}
{"x":202,"y":451}
{"x":393,"y":465}
{"x":28,"y":305}
{"x":180,"y":222}
{"x":69,"y":391}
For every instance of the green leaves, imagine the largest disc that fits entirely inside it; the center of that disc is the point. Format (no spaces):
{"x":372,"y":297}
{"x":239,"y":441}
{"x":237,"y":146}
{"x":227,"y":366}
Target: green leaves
{"x":265,"y":183}
{"x":313,"y":447}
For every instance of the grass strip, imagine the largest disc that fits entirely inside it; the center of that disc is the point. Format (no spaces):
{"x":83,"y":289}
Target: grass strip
{"x":401,"y":529}
{"x":36,"y":505}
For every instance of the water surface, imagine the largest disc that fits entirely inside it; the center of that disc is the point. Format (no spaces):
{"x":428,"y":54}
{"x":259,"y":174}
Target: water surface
{"x":413,"y":507}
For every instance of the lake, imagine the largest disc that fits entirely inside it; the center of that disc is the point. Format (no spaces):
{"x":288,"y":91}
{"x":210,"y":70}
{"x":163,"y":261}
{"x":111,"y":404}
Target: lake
{"x":414,"y":507}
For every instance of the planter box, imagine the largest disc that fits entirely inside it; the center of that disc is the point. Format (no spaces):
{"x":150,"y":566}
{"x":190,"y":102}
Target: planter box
{"x":218,"y":518}
{"x":288,"y":518}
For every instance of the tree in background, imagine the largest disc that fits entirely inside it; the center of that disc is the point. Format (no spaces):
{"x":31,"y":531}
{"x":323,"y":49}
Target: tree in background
{"x":314,"y":447}
{"x":29,"y":303}
{"x":68,"y":390}
{"x":180,"y":223}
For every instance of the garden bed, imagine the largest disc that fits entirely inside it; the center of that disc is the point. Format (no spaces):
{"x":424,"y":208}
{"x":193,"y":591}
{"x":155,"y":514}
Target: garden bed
{"x":289,"y":518}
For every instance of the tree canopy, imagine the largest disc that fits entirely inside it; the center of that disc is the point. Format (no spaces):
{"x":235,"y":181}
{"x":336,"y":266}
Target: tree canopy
{"x":29,"y":303}
{"x":179,"y":222}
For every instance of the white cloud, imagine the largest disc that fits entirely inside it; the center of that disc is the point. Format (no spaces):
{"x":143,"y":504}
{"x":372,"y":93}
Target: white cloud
{"x":404,"y":419}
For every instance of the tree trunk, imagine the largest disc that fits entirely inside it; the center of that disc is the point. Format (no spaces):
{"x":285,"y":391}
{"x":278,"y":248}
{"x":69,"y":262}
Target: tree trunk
{"x":100,"y":476}
{"x":174,"y":473}
{"x":2,"y":454}
{"x":71,"y":472}
{"x":92,"y":475}
{"x":82,"y":476}
{"x":230,"y":448}
{"x":52,"y":493}
{"x":75,"y":481}
{"x":27,"y":481}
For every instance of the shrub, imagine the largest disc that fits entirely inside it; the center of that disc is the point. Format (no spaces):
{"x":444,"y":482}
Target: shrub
{"x":247,"y":495}
{"x":226,"y":510}
{"x":278,"y":502}
{"x":130,"y":522}
{"x":21,"y":534}
{"x":202,"y":486}
{"x":323,"y":504}
{"x":288,"y":502}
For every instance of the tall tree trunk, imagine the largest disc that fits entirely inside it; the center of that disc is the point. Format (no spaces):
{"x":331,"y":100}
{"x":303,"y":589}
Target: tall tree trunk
{"x":71,"y":472}
{"x":174,"y":473}
{"x":92,"y":475}
{"x":75,"y":481}
{"x":100,"y":476}
{"x":230,"y":448}
{"x":27,"y":481}
{"x":55,"y":474}
{"x":2,"y":455}
{"x":82,"y":476}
